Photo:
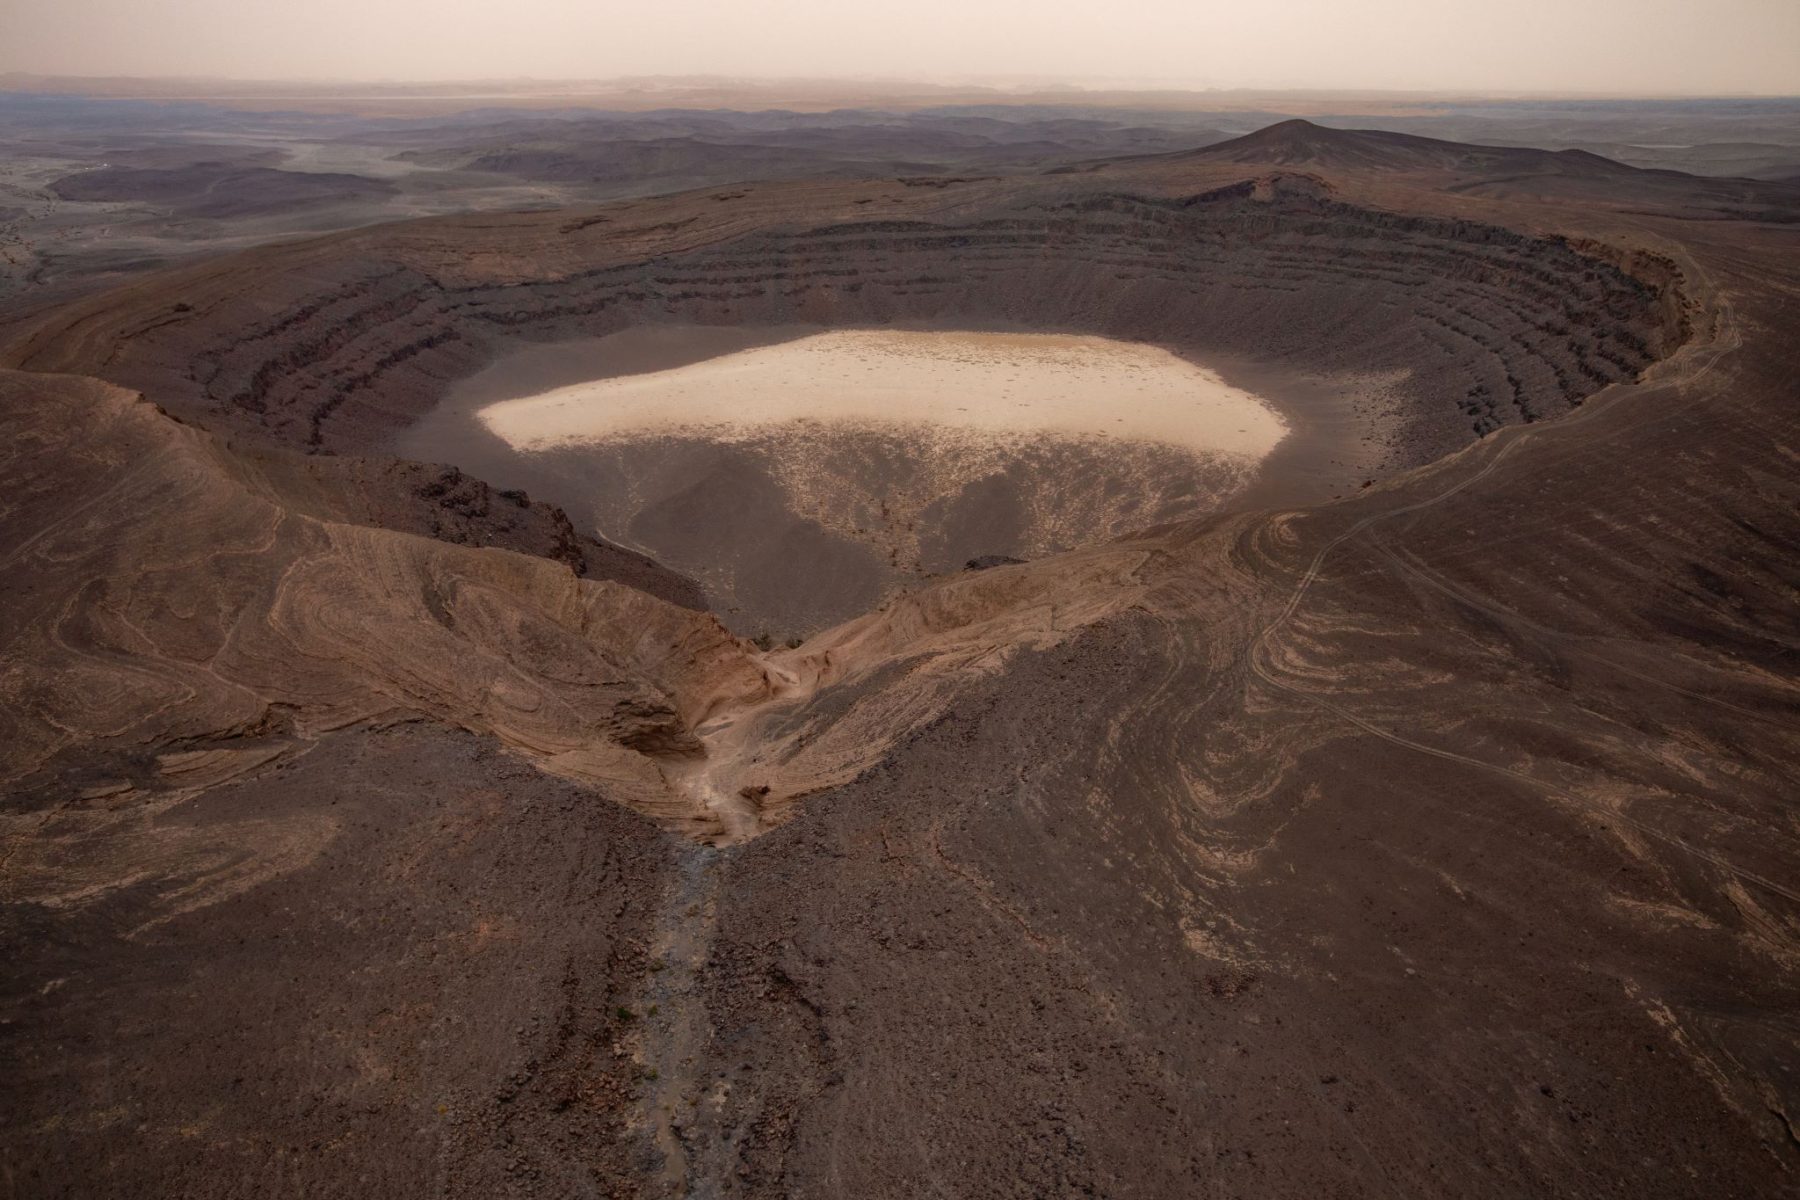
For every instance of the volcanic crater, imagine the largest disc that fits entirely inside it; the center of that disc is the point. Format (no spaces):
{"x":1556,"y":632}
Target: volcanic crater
{"x":1382,"y":340}
{"x":1376,"y":341}
{"x":1434,"y":838}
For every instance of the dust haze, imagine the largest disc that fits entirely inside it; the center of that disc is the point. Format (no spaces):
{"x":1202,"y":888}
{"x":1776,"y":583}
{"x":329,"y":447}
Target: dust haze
{"x":1641,"y":46}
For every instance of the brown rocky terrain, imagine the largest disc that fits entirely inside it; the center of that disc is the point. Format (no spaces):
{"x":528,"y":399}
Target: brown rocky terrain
{"x":343,"y":343}
{"x":1436,"y":841}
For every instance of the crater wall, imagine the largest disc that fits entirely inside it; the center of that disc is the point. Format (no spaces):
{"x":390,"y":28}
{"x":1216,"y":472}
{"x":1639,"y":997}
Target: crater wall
{"x":338,"y":343}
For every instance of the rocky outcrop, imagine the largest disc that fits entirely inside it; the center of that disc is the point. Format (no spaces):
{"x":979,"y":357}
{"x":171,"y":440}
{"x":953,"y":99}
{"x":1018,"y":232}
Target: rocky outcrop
{"x":449,"y":505}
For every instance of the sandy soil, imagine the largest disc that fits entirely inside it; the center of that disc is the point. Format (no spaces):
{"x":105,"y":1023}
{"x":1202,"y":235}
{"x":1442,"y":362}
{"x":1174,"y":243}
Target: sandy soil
{"x":991,"y":383}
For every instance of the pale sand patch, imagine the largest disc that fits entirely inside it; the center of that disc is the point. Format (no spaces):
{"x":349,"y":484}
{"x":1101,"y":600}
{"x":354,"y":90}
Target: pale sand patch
{"x":986,"y":383}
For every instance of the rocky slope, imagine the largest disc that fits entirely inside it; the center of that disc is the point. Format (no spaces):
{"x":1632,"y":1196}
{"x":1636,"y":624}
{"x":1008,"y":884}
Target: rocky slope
{"x":1435,"y":842}
{"x":193,"y":597}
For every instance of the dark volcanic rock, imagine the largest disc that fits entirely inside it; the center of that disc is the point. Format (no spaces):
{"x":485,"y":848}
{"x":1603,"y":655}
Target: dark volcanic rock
{"x":410,"y":988}
{"x":442,"y":502}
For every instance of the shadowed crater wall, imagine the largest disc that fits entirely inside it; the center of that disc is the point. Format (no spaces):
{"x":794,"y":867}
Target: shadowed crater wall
{"x":338,"y":342}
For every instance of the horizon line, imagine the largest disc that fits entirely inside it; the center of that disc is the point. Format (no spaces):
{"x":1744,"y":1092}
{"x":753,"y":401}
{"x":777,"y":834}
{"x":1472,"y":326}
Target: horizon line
{"x":1000,"y":86}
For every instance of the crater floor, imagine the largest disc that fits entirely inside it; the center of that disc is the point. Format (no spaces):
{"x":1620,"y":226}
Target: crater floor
{"x":989,"y":384}
{"x":802,"y":474}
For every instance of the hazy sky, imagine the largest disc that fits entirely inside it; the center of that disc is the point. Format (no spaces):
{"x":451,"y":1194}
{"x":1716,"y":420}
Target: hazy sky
{"x":1656,"y":46}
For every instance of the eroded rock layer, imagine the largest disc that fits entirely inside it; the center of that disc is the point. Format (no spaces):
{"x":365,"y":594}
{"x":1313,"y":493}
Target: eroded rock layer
{"x":340,"y":342}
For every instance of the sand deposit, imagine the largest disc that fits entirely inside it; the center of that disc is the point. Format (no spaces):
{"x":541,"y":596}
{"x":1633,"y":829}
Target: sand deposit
{"x":987,"y":383}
